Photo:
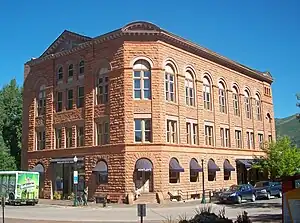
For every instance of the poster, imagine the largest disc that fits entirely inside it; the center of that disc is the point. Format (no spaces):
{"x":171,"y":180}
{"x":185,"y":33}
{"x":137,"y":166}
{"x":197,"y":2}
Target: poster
{"x":27,"y":186}
{"x":291,"y":206}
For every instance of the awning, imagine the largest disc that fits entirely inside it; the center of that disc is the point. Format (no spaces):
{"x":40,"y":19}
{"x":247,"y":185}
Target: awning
{"x":38,"y":168}
{"x":100,"y":167}
{"x":246,"y":162}
{"x":194,"y":166}
{"x":212,"y":167}
{"x":66,"y":160}
{"x":174,"y":166}
{"x":143,"y":165}
{"x":228,"y":166}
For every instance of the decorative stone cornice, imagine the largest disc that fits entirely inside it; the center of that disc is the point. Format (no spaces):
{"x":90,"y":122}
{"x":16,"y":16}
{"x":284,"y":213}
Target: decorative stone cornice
{"x":140,"y":28}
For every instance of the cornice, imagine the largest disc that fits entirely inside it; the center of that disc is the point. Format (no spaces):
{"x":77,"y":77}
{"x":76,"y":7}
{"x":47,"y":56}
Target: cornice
{"x":149,"y":29}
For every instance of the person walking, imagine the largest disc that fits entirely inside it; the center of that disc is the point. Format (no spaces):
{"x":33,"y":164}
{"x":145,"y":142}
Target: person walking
{"x":85,"y":196}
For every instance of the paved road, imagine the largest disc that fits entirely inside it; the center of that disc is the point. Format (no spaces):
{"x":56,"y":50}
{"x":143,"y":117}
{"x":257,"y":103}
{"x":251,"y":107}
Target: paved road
{"x":259,"y":211}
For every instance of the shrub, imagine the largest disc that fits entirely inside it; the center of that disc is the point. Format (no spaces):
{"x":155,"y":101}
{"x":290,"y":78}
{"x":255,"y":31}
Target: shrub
{"x":243,"y":218}
{"x":56,"y":196}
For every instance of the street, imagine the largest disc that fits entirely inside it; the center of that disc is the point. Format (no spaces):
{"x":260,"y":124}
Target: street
{"x":259,"y":211}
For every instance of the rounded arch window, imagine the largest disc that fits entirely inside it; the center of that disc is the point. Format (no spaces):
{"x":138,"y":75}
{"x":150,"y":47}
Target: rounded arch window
{"x":41,"y":106}
{"x":70,"y":70}
{"x":81,"y":67}
{"x":142,"y":79}
{"x":101,"y":172}
{"x":102,"y":93}
{"x":207,"y":94}
{"x":247,"y":104}
{"x":60,"y":73}
{"x":222,"y":97}
{"x":189,"y":89}
{"x":170,"y":83}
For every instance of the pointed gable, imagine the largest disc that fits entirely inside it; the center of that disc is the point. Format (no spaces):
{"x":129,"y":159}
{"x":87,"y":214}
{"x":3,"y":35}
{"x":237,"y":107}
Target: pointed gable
{"x":66,"y":41}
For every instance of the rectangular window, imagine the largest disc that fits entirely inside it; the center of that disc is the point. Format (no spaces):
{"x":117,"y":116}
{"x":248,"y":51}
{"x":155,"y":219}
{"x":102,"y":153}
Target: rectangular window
{"x":69,"y":99}
{"x":195,"y":134}
{"x":102,"y":91}
{"x":80,"y":136}
{"x":103,"y":133}
{"x":58,"y":138}
{"x":59,"y":101}
{"x":238,"y":138}
{"x":42,"y":102}
{"x":222,"y":100}
{"x":189,"y":92}
{"x":209,"y":139}
{"x":142,"y":84}
{"x":41,"y":140}
{"x":260,"y":140}
{"x":250,"y":140}
{"x":188,"y":133}
{"x":142,"y":130}
{"x":69,"y":138}
{"x":171,"y":131}
{"x":80,"y":98}
{"x":236,"y":109}
{"x":170,"y":87}
{"x":270,"y":138}
{"x":258,"y":110}
{"x":225,"y":137}
{"x":192,"y":133}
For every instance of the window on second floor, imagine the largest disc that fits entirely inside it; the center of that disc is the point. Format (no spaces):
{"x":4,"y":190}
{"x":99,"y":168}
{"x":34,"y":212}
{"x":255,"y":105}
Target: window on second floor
{"x":69,"y":99}
{"x":222,"y":97}
{"x":207,"y":94}
{"x":189,"y":89}
{"x":102,"y":133}
{"x":142,"y":130}
{"x":209,"y":135}
{"x":236,"y":103}
{"x":250,"y":140}
{"x":225,"y":137}
{"x":170,"y":83}
{"x":192,"y":133}
{"x":80,"y":97}
{"x":260,"y":140}
{"x":102,"y":85}
{"x":40,"y":140}
{"x":59,"y":101}
{"x":247,"y":104}
{"x":258,"y":107}
{"x":142,"y":80}
{"x":70,"y":70}
{"x":60,"y":74}
{"x":58,"y":138}
{"x":41,"y":106}
{"x":172,"y":131}
{"x":69,"y":142}
{"x":238,"y":138}
{"x":80,"y":136}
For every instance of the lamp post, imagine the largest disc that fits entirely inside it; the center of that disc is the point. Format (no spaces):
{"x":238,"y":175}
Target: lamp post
{"x":203,"y":201}
{"x":75,"y":180}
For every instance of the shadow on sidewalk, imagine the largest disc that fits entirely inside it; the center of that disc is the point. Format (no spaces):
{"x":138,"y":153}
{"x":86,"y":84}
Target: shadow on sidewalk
{"x":255,"y":205}
{"x":267,"y":218}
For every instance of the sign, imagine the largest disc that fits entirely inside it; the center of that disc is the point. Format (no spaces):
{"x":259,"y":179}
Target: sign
{"x":75,"y":177}
{"x":291,"y":206}
{"x":141,"y":208}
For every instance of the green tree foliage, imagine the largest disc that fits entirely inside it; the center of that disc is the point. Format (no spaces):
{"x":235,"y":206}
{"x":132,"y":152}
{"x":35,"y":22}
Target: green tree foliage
{"x":11,"y":122}
{"x":282,"y":158}
{"x":298,"y":105}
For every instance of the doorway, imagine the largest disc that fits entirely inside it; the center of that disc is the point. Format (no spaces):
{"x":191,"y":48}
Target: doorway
{"x":143,"y":176}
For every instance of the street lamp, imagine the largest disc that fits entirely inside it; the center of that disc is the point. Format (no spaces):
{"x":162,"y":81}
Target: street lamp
{"x":75,"y":180}
{"x":203,"y":201}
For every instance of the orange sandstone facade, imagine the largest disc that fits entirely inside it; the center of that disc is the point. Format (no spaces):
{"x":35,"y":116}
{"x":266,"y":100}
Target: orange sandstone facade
{"x":141,"y":108}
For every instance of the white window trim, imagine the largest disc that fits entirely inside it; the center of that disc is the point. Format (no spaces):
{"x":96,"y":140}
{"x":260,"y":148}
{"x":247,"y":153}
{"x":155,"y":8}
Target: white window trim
{"x":193,"y":122}
{"x":143,"y":130}
{"x":175,"y":119}
{"x":142,"y":88}
{"x":142,"y":116}
{"x":213,"y":133}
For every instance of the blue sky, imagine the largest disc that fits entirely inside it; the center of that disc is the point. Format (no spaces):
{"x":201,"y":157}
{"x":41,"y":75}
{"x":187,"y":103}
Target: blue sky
{"x":264,"y":35}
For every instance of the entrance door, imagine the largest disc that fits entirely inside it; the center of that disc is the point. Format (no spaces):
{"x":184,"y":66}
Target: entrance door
{"x":143,"y":181}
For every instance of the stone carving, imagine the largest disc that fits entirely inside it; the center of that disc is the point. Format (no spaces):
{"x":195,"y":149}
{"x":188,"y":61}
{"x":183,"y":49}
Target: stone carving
{"x":140,"y":26}
{"x":39,"y":121}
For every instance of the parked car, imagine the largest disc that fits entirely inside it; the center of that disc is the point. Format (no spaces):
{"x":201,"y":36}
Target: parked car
{"x":237,"y":193}
{"x":266,"y":189}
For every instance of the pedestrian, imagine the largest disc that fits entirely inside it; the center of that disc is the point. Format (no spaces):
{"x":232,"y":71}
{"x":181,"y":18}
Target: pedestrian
{"x":85,"y":196}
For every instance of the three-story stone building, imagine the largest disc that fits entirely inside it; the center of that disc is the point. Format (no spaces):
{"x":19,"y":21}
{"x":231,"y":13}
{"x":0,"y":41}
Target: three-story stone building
{"x":141,"y":108}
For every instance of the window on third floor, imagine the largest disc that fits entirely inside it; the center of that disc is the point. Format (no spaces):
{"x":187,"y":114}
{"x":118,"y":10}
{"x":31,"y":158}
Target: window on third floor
{"x":142,"y":130}
{"x":189,"y":89}
{"x":222,"y":97}
{"x":69,"y":99}
{"x":41,"y":106}
{"x":170,"y":83}
{"x":142,"y":80}
{"x":258,"y":107}
{"x":236,"y":101}
{"x":80,"y":97}
{"x":60,"y":74}
{"x":207,"y":100}
{"x":81,"y":68}
{"x":102,"y":85}
{"x":247,"y":104}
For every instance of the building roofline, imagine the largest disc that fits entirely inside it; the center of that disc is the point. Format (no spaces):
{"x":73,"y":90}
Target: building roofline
{"x":147,"y":28}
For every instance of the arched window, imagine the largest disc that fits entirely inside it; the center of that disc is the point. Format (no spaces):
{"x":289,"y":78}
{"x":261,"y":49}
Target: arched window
{"x":195,"y":168}
{"x":236,"y":103}
{"x":41,"y":106}
{"x":60,"y":73}
{"x":103,"y":83}
{"x":174,"y":170}
{"x":227,"y":169}
{"x":222,"y":97}
{"x":170,"y":83}
{"x":212,"y":169}
{"x":207,"y":94}
{"x":81,"y":68}
{"x":258,"y":107}
{"x":247,"y":104}
{"x":70,"y":70}
{"x":101,"y":172}
{"x":189,"y":89}
{"x":142,"y":79}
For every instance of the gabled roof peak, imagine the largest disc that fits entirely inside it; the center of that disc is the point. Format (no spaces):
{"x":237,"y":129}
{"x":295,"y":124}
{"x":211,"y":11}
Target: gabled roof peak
{"x":140,"y":26}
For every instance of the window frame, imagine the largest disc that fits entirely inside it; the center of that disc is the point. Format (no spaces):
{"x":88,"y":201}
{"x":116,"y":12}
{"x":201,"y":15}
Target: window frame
{"x":41,"y":103}
{"x":258,"y":108}
{"x":79,"y":136}
{"x":80,"y":98}
{"x":189,"y":84}
{"x":222,"y":98}
{"x":144,"y":68}
{"x":143,"y":130}
{"x":225,"y":136}
{"x":60,"y":74}
{"x":103,"y":132}
{"x":70,"y":101}
{"x":236,"y":102}
{"x":103,"y":97}
{"x":172,"y":131}
{"x":69,"y":137}
{"x":207,"y":94}
{"x":238,"y":138}
{"x":58,"y":140}
{"x":248,"y":107}
{"x":81,"y":68}
{"x":40,"y":140}
{"x":170,"y":80}
{"x":209,"y":135}
{"x":59,"y":101}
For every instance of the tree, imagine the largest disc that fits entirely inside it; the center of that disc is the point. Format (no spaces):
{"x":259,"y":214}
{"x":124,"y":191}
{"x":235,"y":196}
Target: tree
{"x":298,"y":105}
{"x":282,"y":158}
{"x":7,"y":162}
{"x":11,"y":120}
